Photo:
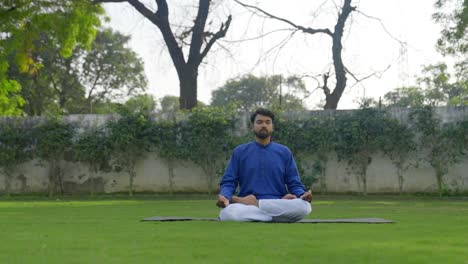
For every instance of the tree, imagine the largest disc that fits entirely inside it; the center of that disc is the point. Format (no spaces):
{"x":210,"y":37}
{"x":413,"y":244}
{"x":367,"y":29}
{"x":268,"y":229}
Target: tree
{"x":250,"y":92}
{"x":439,"y":87}
{"x":169,"y":106}
{"x":186,"y":67}
{"x":141,"y":104}
{"x":53,"y":87}
{"x":436,"y":88}
{"x":107,"y":72}
{"x":453,"y":16}
{"x":10,"y":99}
{"x":21,"y":24}
{"x":331,"y":97}
{"x":411,"y":96}
{"x":110,"y":70}
{"x":169,"y":103}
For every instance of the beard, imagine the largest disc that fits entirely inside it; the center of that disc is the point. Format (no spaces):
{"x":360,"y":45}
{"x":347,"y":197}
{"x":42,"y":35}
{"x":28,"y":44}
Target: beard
{"x":262,"y":134}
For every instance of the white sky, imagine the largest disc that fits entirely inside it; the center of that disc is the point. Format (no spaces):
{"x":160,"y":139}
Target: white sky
{"x":368,"y":48}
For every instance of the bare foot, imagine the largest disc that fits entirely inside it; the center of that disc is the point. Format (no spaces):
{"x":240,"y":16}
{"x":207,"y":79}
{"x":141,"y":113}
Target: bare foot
{"x":247,"y":200}
{"x":289,"y":196}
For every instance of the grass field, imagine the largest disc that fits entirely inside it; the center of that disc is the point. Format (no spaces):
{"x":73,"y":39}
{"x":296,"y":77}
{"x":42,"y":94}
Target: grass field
{"x":109,"y":231}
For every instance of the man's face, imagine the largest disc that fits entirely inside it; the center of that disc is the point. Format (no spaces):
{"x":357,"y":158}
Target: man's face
{"x":262,"y":126}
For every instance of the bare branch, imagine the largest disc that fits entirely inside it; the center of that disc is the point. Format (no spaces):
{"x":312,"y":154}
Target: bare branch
{"x":259,"y":37}
{"x":280,"y":45}
{"x":220,"y":34}
{"x":383,"y":26}
{"x":358,"y":81}
{"x":303,"y":29}
{"x":325,"y":88}
{"x":107,"y":1}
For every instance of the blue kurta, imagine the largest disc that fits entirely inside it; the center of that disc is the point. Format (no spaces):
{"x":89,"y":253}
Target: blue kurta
{"x":263,"y":171}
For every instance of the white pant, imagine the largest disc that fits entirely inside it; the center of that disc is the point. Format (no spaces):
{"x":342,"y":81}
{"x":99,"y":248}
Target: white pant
{"x":268,"y":210}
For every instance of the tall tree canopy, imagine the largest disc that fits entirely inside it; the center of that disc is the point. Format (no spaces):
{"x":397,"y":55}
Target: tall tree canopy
{"x":111,"y":70}
{"x":250,"y":92}
{"x":22,"y":22}
{"x":108,"y":71}
{"x":201,"y":41}
{"x":453,"y":16}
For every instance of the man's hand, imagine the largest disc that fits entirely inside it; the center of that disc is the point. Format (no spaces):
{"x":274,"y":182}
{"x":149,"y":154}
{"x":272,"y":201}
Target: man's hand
{"x":222,"y":201}
{"x":289,"y":196}
{"x":307,"y":196}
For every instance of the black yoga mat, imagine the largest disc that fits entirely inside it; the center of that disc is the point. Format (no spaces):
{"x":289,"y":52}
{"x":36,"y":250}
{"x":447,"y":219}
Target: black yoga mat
{"x":371,"y":220}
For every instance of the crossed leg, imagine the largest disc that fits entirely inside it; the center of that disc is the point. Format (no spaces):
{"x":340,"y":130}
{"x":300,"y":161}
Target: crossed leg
{"x":268,"y":210}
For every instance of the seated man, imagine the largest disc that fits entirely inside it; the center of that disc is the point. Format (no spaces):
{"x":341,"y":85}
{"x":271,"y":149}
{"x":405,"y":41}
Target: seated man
{"x":265,"y":171}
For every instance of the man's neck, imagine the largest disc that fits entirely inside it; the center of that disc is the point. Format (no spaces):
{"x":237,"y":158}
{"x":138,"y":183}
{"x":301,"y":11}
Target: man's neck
{"x":263,"y":141}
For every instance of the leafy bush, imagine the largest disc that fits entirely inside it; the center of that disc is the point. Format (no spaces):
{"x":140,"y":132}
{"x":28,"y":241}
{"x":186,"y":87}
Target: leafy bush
{"x":129,"y":141}
{"x":94,"y":149}
{"x":398,"y":143}
{"x":167,"y":142}
{"x":358,"y":137}
{"x":54,"y":140}
{"x":208,"y":138}
{"x":441,"y":144}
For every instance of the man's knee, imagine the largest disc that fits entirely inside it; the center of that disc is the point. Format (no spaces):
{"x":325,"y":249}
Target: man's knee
{"x":229,"y":213}
{"x":303,"y":208}
{"x":291,"y":210}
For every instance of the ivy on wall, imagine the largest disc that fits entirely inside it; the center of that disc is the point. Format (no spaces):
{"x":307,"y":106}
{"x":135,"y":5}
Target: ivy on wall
{"x":441,"y":144}
{"x":206,"y":136}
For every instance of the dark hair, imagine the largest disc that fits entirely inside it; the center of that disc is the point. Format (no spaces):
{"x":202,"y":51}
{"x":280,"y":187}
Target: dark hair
{"x":264,"y":112}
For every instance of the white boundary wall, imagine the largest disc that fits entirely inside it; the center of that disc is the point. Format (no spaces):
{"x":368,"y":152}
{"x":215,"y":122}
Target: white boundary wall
{"x":153,"y":174}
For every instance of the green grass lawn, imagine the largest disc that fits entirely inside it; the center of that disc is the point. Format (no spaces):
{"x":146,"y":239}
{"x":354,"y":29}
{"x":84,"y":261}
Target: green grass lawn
{"x":109,"y":231}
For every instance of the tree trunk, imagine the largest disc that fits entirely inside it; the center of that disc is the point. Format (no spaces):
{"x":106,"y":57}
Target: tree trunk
{"x":323,"y":180}
{"x":170,"y":166}
{"x":131,"y":174}
{"x":7,"y":183}
{"x":52,"y":180}
{"x":188,"y":88}
{"x":93,"y":172}
{"x":439,"y":176}
{"x":332,"y":99}
{"x":364,"y":179}
{"x":400,"y":179}
{"x":209,"y":172}
{"x":187,"y":70}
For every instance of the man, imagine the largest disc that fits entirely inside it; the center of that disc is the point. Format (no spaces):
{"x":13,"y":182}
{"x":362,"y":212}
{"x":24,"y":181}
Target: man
{"x":263,"y":169}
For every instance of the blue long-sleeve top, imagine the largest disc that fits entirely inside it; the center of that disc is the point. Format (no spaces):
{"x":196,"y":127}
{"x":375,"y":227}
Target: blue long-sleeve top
{"x":263,"y":171}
